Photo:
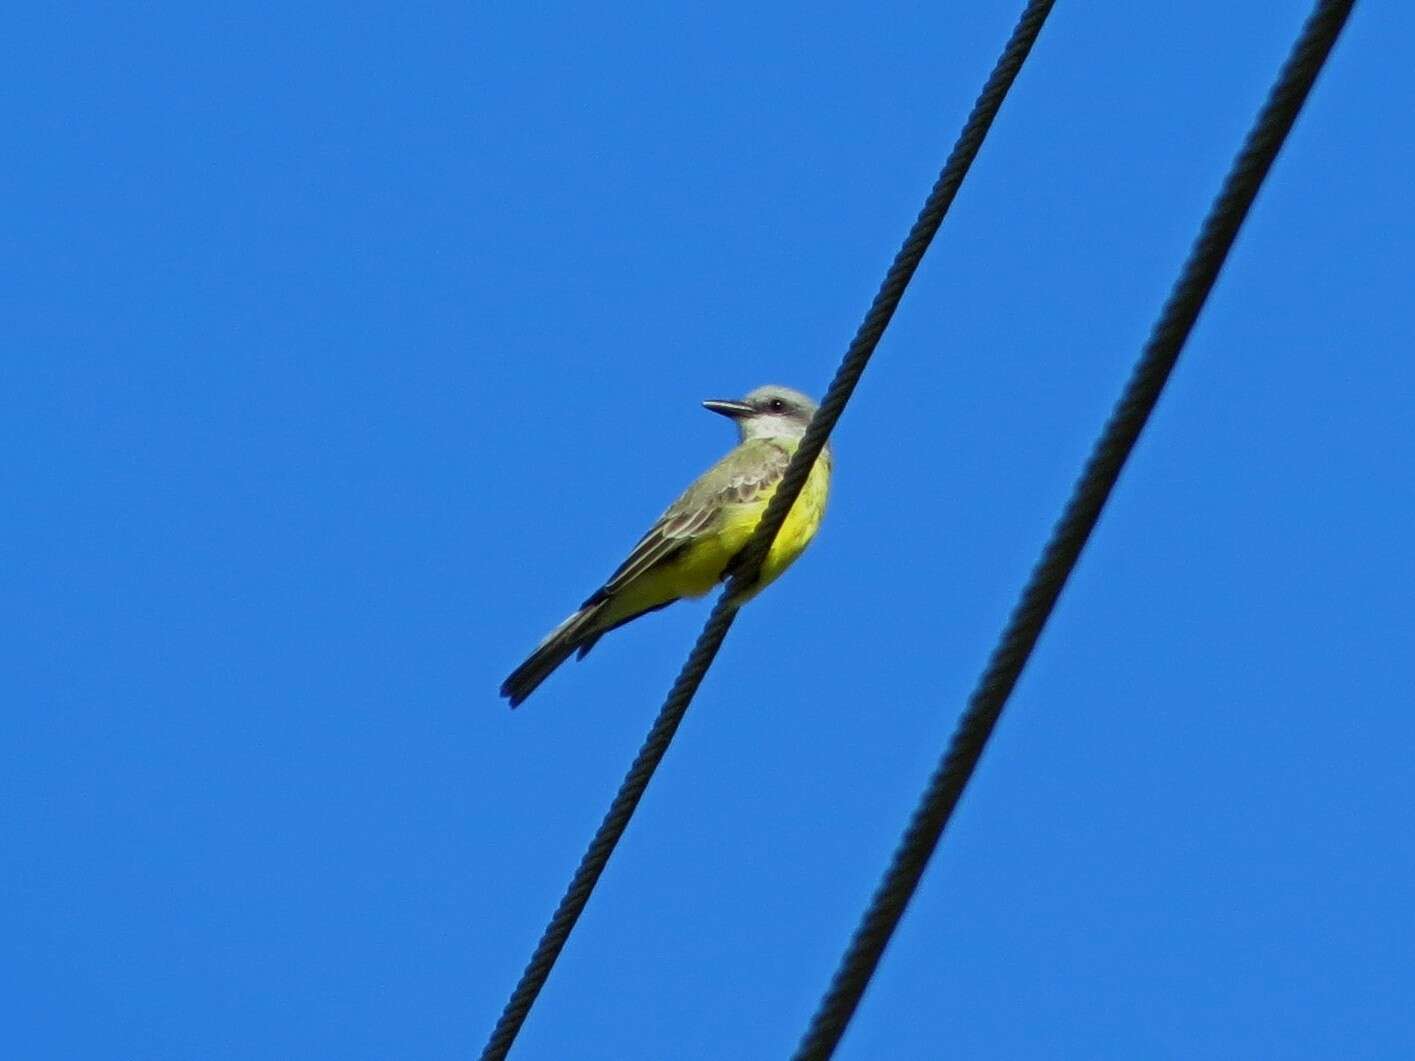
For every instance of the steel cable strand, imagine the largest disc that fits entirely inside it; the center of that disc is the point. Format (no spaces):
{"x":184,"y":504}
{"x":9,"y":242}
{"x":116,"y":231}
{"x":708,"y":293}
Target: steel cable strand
{"x":882,"y":309}
{"x":616,"y":820}
{"x":1068,"y":538}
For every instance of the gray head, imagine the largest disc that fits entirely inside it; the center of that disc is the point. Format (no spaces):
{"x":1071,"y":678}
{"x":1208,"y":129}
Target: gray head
{"x":768,"y":412}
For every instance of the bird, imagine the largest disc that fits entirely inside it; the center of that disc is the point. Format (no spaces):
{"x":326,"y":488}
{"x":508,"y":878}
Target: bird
{"x":698,"y":539}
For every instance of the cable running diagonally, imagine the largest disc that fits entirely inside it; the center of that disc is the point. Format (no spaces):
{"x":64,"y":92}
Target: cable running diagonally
{"x":1077,"y":521}
{"x":852,"y":366}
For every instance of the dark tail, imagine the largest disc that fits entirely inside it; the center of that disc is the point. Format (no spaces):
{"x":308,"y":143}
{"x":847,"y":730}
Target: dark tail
{"x":559,"y":645}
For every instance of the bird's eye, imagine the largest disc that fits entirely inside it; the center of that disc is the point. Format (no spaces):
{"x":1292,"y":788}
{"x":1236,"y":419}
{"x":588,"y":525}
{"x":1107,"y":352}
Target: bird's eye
{"x":776,"y":405}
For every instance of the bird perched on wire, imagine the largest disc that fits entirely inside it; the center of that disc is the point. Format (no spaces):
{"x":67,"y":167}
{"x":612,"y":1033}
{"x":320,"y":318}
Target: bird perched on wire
{"x":696,"y":541}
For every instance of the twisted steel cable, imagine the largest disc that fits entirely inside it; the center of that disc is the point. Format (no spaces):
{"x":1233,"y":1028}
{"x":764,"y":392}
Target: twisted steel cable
{"x":852,"y":366}
{"x":1078,"y":519}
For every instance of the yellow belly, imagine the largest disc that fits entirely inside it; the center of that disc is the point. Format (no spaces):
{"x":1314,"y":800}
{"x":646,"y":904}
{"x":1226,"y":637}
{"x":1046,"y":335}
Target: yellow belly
{"x":796,"y":532}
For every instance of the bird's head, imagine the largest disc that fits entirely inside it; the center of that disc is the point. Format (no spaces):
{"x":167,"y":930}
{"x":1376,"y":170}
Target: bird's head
{"x":767,"y":412}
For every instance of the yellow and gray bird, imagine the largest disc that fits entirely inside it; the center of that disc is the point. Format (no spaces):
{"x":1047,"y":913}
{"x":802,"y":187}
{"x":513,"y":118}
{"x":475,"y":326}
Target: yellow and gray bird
{"x":695,"y":542}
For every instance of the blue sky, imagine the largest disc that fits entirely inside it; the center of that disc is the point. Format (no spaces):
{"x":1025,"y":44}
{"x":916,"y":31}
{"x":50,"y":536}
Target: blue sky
{"x":350,"y":347}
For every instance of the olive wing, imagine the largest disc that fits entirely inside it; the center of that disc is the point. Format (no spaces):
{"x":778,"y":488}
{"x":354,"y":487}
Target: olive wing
{"x":749,"y":472}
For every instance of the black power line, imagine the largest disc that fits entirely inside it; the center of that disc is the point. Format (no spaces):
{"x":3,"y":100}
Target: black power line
{"x":852,"y":366}
{"x":1077,"y":521}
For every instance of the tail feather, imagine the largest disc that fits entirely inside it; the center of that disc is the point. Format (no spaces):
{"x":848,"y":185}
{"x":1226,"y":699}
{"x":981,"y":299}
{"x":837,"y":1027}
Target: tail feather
{"x":590,"y":640}
{"x":557,"y":647}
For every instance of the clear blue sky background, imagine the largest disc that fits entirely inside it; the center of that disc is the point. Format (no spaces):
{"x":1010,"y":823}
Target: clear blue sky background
{"x":348,"y":348}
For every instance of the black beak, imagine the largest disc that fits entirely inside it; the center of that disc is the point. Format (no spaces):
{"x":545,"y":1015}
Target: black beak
{"x":735,"y":410}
